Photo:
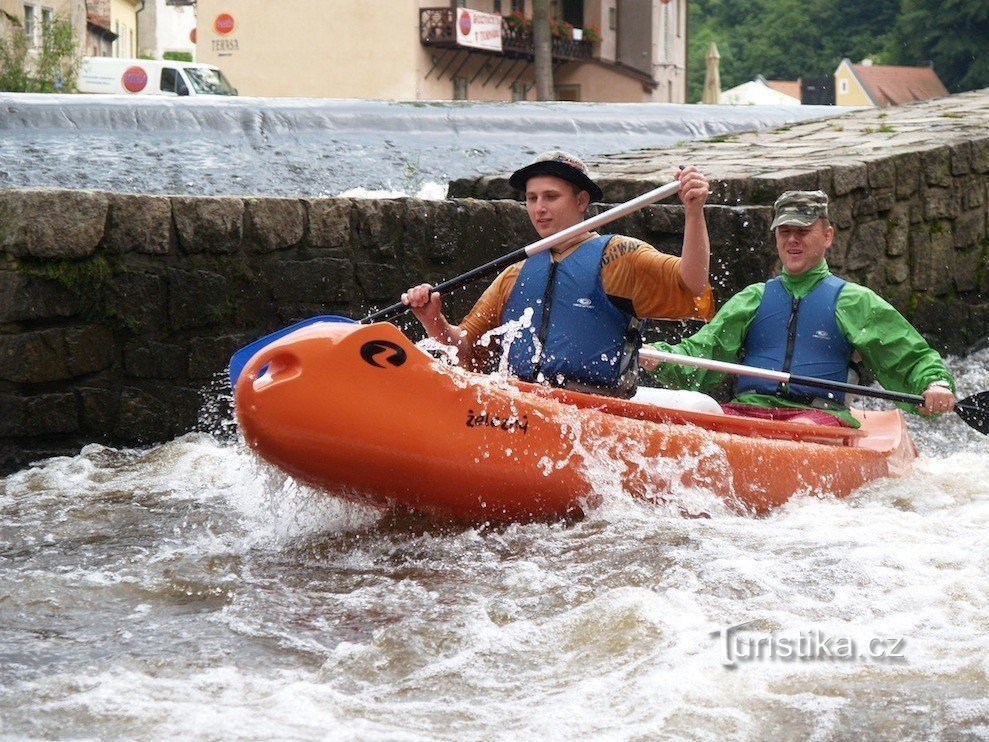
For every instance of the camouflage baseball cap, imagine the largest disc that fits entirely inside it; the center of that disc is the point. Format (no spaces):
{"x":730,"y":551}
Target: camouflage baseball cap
{"x":562,"y":165}
{"x":800,"y":208}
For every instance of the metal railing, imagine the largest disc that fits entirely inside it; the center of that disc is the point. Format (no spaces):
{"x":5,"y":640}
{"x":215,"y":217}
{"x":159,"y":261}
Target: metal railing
{"x":436,"y":28}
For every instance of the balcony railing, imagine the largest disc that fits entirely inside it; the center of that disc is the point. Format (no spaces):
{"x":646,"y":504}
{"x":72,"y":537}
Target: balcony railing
{"x":436,"y":28}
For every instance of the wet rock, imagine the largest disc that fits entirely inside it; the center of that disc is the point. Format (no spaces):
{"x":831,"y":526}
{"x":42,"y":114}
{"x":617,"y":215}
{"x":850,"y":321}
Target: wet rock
{"x":867,"y":245}
{"x":140,"y":224}
{"x":24,"y":297}
{"x":936,"y":166}
{"x":43,"y":414}
{"x":196,"y":299}
{"x":141,"y":418}
{"x":275,"y":223}
{"x":52,"y":223}
{"x":208,"y":355}
{"x":212,"y":225}
{"x":136,"y":302}
{"x":849,"y":177}
{"x":970,"y":228}
{"x":321,"y":280}
{"x":329,"y":222}
{"x":34,"y":357}
{"x":147,"y":359}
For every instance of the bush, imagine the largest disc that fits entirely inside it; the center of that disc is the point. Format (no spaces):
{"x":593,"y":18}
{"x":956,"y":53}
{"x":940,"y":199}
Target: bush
{"x":51,"y":67}
{"x":177,"y":56}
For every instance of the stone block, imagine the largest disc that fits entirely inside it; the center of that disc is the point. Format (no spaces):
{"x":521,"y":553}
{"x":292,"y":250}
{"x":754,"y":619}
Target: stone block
{"x":965,"y":270}
{"x":34,"y":357}
{"x":38,"y":415}
{"x":139,"y":224}
{"x":865,"y":206}
{"x":935,"y":164}
{"x":897,"y":271}
{"x":212,"y":224}
{"x":907,"y":174}
{"x":24,"y":297}
{"x":884,"y":198}
{"x":973,"y":193}
{"x":52,"y":223}
{"x":329,"y":222}
{"x":960,"y":158}
{"x":147,"y":359}
{"x":939,"y":203}
{"x":209,"y":355}
{"x":136,"y":301}
{"x":97,"y":410}
{"x":380,"y":229}
{"x":378,"y":282}
{"x":275,"y":223}
{"x":867,"y":245}
{"x":89,"y":349}
{"x":970,"y":228}
{"x":882,"y":173}
{"x":898,"y":230}
{"x":197,"y":299}
{"x":848,"y":178}
{"x":931,"y":258}
{"x":185,"y":405}
{"x":141,"y":417}
{"x":840,"y":211}
{"x":979,"y":150}
{"x":317,"y":281}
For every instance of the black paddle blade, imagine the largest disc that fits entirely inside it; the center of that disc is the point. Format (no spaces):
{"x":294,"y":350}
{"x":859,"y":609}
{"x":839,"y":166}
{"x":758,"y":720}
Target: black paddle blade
{"x":974,"y":411}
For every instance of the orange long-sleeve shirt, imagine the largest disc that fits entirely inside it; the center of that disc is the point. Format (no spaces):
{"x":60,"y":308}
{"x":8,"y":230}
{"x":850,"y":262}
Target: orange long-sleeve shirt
{"x":635,"y":276}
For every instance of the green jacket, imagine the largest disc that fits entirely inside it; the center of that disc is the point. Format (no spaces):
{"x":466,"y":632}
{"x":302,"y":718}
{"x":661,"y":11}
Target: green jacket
{"x":889,"y":345}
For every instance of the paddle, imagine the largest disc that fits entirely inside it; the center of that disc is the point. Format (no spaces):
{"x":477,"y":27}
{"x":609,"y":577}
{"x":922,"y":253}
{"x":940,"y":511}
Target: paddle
{"x":242,"y":356}
{"x":973,"y":410}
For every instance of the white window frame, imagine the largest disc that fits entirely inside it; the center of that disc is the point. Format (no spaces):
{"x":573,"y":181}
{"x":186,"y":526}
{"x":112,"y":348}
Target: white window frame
{"x":31,"y":24}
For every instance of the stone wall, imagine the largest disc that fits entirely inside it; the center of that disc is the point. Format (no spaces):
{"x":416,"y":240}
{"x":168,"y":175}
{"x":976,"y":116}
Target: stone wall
{"x":118,"y":313}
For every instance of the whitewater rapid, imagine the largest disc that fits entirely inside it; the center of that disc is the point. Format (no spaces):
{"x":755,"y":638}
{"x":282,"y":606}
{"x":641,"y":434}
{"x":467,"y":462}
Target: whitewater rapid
{"x":189,"y":590}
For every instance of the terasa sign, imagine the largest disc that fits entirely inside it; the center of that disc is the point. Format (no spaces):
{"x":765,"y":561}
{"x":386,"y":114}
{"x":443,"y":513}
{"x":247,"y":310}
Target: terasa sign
{"x":134,"y":79}
{"x":479,"y":30}
{"x":224,"y":24}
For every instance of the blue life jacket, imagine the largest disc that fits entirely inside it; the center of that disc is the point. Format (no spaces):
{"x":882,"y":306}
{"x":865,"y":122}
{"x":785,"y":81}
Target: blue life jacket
{"x":798,"y":336}
{"x":577,"y":337}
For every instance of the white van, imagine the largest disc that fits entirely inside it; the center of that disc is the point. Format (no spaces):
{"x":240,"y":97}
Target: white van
{"x":150,"y":77}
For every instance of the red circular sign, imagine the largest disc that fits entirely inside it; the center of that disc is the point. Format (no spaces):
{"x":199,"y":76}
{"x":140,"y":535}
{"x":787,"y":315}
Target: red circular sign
{"x":192,"y":36}
{"x":224,"y":23}
{"x":465,"y":23}
{"x":134,"y":79}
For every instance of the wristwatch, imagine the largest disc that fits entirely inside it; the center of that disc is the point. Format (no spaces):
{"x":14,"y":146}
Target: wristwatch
{"x":940,"y":382}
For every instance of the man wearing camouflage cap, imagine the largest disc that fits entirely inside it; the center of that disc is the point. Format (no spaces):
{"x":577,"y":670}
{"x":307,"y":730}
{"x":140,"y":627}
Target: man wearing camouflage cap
{"x":809,"y":322}
{"x":574,"y":311}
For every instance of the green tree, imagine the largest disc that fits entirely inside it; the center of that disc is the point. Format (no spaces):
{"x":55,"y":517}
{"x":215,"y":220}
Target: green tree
{"x":51,"y":67}
{"x":953,"y":34}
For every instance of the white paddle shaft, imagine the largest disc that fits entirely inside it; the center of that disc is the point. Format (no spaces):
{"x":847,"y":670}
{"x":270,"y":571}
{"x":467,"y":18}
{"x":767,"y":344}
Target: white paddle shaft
{"x":650,"y":197}
{"x":726,"y":368}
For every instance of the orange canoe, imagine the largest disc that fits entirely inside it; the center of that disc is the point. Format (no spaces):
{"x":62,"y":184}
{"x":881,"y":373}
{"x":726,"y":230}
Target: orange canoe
{"x":361,"y":412}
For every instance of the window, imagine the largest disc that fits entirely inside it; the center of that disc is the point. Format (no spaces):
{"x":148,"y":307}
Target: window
{"x":518,"y":5}
{"x":497,"y":6}
{"x":30,"y":25}
{"x":612,"y":19}
{"x":519,"y":91}
{"x":567,"y":92}
{"x":843,"y":87}
{"x":47,"y":16}
{"x":168,"y":80}
{"x":460,"y":88}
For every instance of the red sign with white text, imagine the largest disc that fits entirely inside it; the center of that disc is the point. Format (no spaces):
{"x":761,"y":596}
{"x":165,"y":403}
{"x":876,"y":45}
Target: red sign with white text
{"x":224,"y":24}
{"x":134,"y":79}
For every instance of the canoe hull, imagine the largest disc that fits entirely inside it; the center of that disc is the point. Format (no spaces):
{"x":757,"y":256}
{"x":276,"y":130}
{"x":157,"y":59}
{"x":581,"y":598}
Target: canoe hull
{"x":362,"y":413}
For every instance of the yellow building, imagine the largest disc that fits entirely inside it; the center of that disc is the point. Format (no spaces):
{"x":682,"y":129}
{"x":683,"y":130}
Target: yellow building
{"x":123,"y":22}
{"x":881,"y":85}
{"x":31,"y":15}
{"x":603,"y":50}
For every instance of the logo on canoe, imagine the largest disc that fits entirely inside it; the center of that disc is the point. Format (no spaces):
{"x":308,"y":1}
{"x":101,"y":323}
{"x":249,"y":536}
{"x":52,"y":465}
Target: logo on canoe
{"x":383,"y":350}
{"x":822,"y":335}
{"x":584,"y":303}
{"x":508,"y":423}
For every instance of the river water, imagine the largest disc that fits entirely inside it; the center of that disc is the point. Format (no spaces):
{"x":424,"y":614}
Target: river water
{"x":311,"y":147}
{"x":190,"y":591}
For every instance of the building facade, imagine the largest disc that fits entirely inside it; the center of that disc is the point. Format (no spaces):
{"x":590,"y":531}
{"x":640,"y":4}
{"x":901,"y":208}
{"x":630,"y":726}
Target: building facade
{"x":603,"y":50}
{"x":881,"y":85}
{"x":32,"y":15}
{"x":165,"y":27}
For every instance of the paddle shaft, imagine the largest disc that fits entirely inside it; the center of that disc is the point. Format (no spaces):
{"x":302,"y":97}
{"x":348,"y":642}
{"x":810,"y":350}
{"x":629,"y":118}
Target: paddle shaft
{"x":605,"y":217}
{"x":780,"y":376}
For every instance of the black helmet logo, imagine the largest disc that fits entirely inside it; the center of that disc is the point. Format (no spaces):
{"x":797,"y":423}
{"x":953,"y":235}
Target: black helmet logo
{"x":383,"y":350}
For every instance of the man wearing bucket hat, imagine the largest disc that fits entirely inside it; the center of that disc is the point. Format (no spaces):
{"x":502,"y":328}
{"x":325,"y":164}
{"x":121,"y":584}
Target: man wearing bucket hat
{"x":599,"y":287}
{"x":809,"y":322}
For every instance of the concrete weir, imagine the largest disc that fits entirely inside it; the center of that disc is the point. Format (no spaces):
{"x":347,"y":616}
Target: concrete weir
{"x":116,"y":310}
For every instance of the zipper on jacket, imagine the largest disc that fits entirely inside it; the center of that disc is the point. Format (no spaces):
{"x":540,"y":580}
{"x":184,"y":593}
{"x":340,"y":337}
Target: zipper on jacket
{"x":544,"y":324}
